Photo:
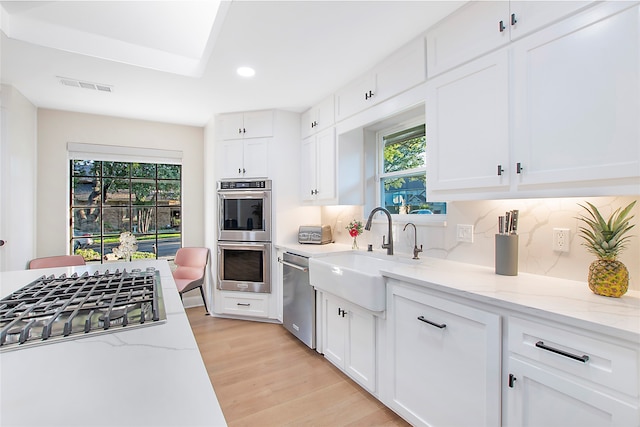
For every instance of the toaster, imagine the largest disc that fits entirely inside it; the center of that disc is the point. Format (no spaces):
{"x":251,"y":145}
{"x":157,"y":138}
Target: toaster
{"x":315,"y":234}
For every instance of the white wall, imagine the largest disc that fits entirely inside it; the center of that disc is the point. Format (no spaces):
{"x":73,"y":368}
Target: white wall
{"x":57,"y":128}
{"x":17,"y":179}
{"x":538,"y":217}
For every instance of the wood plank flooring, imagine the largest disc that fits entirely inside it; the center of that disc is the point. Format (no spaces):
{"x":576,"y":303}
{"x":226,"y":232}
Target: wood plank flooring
{"x":264,"y":376}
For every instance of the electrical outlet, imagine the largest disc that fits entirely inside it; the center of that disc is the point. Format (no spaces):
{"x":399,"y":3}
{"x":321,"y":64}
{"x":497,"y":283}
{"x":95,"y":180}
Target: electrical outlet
{"x":561,"y":239}
{"x":464,"y":233}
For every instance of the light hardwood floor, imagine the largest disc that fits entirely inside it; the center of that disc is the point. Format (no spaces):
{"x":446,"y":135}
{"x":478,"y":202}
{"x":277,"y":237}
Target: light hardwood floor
{"x":263,"y":376}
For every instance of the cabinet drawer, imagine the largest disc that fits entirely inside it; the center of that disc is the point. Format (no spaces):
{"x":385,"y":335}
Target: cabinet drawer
{"x":575,"y":353}
{"x":245,"y":305}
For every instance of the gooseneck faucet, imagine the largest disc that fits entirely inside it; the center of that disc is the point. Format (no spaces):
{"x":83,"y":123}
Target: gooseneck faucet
{"x":389,"y":245}
{"x":416,"y":251}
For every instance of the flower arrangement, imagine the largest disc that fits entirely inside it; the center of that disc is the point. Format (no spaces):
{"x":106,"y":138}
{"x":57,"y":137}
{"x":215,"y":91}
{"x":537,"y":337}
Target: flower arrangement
{"x":355,"y":229}
{"x":128,"y":245}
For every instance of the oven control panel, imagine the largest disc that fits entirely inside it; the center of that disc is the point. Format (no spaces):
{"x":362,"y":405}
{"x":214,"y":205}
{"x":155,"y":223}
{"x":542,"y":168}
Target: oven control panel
{"x":264,"y":184}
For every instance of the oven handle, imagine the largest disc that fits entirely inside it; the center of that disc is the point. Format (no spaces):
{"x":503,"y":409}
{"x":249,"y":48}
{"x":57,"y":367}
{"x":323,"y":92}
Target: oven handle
{"x":296,"y":266}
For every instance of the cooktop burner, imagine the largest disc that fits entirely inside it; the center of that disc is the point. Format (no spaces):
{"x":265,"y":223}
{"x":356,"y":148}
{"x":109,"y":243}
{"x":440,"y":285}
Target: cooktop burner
{"x":53,"y":308}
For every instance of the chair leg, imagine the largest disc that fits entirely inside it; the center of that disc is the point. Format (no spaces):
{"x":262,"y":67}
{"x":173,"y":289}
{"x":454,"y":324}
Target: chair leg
{"x":204,"y":301}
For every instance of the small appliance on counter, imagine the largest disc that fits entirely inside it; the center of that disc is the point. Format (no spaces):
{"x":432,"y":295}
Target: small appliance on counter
{"x":315,"y":234}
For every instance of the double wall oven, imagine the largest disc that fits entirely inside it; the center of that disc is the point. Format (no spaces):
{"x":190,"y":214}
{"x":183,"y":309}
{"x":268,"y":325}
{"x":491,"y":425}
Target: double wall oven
{"x":244,"y":235}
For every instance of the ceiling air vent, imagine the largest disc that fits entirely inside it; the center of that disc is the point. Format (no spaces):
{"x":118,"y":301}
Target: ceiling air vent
{"x":85,"y":85}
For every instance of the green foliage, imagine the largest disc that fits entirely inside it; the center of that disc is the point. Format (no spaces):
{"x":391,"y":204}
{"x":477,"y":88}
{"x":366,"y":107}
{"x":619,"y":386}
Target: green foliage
{"x":605,"y":239}
{"x":88,"y":254}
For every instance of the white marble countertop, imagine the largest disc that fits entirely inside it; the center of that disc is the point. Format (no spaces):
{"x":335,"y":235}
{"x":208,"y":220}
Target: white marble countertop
{"x":150,"y":376}
{"x":553,"y":299}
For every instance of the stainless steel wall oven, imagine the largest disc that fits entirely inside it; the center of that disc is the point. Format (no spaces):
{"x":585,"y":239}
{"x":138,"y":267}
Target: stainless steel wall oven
{"x":244,"y":236}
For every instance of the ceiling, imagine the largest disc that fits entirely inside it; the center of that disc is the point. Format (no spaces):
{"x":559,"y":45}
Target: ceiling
{"x":175,"y":61}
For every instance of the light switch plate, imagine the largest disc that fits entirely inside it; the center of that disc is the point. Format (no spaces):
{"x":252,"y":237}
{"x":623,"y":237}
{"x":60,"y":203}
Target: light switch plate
{"x":464,"y":233}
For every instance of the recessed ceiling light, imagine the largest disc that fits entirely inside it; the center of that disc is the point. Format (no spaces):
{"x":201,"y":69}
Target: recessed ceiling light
{"x":246,"y":71}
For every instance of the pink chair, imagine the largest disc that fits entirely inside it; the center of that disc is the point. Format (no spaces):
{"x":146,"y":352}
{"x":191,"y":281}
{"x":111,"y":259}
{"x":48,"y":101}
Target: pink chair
{"x":57,"y":261}
{"x":190,"y":272}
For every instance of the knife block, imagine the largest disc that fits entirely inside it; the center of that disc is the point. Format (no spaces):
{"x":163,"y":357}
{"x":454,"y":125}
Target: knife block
{"x":506,"y":254}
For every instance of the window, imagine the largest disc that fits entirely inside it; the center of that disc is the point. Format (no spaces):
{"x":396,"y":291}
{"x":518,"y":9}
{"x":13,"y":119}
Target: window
{"x":109,"y":198}
{"x":402,"y":171}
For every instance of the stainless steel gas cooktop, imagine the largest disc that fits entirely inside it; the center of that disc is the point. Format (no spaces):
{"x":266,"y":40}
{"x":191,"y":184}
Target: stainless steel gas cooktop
{"x":51,"y":309}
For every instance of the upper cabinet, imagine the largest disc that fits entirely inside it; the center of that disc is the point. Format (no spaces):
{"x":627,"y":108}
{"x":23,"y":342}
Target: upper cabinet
{"x":553,"y":114}
{"x":318,"y":168}
{"x":402,"y":70}
{"x":479,"y":27}
{"x":255,"y":124}
{"x":318,"y":117}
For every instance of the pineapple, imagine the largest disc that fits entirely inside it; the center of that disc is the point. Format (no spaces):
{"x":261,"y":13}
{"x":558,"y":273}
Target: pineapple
{"x":606,"y":239}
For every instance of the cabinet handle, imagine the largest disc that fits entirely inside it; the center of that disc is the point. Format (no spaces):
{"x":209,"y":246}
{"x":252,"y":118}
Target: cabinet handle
{"x":341,"y":312}
{"x":368,"y":95}
{"x":244,"y":130}
{"x":244,"y":171}
{"x":512,"y":380}
{"x":244,"y":304}
{"x":514,"y":21}
{"x":500,"y":170}
{"x":437,"y":325}
{"x":501,"y":26}
{"x":2,"y":242}
{"x":519,"y":167}
{"x":584,"y":358}
{"x":239,"y":171}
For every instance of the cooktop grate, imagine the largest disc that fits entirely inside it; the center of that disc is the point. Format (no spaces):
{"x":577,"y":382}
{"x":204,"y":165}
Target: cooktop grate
{"x":66,"y":307}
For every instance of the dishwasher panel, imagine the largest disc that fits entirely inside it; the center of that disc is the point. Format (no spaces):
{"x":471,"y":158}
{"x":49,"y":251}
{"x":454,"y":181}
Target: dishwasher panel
{"x":299,"y":305}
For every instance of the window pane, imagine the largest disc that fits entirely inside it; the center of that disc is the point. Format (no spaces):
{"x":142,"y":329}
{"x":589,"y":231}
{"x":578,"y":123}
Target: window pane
{"x":85,"y":191}
{"x":116,"y":220}
{"x":404,"y":151}
{"x":168,"y":193}
{"x":86,"y":220}
{"x":143,"y":191}
{"x":143,"y":170}
{"x":144,"y":220}
{"x":404,"y":194}
{"x":116,"y":169}
{"x":169,"y":171}
{"x":116,"y":192}
{"x":169,"y":220}
{"x":85,"y":167}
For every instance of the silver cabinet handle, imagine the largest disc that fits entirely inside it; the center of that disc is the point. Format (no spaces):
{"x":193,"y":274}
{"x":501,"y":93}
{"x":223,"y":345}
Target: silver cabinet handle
{"x":437,"y":325}
{"x":296,"y":266}
{"x":584,"y":358}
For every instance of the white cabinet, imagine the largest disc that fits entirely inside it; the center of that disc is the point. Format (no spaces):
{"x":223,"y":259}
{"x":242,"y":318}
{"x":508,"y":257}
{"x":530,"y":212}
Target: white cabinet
{"x":318,"y":167}
{"x":445,"y":360}
{"x":576,"y":88}
{"x":244,"y":304}
{"x":564,"y":377}
{"x":349,"y":339}
{"x":479,"y":27}
{"x":318,"y":117}
{"x":467,"y":114}
{"x":254,"y":124}
{"x":247,"y":158}
{"x":402,"y":70}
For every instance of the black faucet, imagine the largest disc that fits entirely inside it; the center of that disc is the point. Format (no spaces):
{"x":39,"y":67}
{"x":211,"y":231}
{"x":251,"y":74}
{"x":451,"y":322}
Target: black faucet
{"x":388,"y":246}
{"x":416,"y":251}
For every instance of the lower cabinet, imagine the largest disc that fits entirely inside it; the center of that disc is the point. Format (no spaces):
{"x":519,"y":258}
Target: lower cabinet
{"x":245,"y":304}
{"x":559,"y":376}
{"x":349,"y":339}
{"x":445,"y":360}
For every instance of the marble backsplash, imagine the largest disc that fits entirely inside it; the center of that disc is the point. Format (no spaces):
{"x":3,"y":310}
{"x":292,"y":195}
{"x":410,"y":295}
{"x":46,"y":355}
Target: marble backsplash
{"x":538,"y":218}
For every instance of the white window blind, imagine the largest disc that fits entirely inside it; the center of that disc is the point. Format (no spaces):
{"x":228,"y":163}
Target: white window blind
{"x":115,"y":153}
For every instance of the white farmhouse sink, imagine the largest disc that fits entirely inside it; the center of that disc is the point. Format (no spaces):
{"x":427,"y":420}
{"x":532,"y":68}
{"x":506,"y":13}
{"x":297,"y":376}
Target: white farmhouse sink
{"x":352,"y":276}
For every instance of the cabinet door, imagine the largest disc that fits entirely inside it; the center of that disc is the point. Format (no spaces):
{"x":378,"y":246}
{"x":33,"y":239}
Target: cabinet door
{"x":532,"y":15}
{"x":325,"y":114}
{"x":334,"y":331}
{"x":258,"y":124}
{"x":447,"y":372}
{"x":230,"y":160}
{"x":576,"y":101}
{"x":467,"y":34}
{"x":326,"y":165}
{"x":540,"y":398}
{"x":231,"y":126}
{"x":355,"y":97}
{"x":467,"y":114}
{"x":308,"y":172}
{"x":402,"y":70}
{"x":360,"y":360}
{"x":256,"y":164}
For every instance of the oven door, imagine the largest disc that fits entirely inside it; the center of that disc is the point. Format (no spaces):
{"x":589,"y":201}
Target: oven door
{"x":244,"y":216}
{"x":244,"y":266}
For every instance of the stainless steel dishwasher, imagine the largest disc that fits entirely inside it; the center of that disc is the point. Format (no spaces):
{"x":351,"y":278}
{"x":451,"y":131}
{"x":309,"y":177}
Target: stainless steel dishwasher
{"x":299,"y":305}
